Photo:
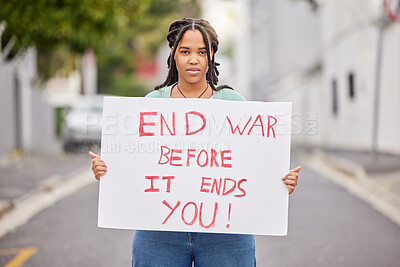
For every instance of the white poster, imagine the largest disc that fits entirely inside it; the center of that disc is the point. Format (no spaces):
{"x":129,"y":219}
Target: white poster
{"x":195,"y":165}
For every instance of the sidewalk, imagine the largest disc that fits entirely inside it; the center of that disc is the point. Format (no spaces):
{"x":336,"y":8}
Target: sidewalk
{"x":375,"y":180}
{"x":22,"y":175}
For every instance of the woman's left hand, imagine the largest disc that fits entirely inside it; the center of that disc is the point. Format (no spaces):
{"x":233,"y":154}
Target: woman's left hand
{"x":290,"y":180}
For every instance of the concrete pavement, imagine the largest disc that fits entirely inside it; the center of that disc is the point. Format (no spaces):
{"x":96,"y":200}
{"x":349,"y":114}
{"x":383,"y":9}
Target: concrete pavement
{"x":30,"y":182}
{"x":374,"y":180}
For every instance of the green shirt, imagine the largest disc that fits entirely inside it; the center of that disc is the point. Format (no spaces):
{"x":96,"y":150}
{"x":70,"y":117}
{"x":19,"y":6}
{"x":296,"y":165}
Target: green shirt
{"x":224,"y":94}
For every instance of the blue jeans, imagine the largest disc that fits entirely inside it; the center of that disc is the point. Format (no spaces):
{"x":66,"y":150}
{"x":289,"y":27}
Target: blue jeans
{"x":180,"y":249}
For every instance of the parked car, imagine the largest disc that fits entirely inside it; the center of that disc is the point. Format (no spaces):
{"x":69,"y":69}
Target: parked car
{"x":82,"y":123}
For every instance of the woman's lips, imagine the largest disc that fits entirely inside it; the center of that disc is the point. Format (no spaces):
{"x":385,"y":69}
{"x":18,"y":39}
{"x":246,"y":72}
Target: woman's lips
{"x":193,"y":71}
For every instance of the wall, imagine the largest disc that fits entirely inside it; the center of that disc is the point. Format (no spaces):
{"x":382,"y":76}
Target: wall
{"x":26,"y":119}
{"x":346,"y":45}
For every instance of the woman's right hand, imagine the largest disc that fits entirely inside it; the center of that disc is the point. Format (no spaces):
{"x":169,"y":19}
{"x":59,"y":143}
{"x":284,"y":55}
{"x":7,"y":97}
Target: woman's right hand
{"x":99,"y":168}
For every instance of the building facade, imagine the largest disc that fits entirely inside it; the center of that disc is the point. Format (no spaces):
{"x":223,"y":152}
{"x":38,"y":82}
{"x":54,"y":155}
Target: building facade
{"x":325,"y":62}
{"x":26,"y":119}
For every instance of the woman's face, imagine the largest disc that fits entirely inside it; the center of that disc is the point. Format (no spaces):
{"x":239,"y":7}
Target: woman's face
{"x":191,"y":58}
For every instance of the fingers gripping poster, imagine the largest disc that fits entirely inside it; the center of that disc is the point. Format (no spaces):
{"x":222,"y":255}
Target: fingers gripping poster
{"x":195,"y":165}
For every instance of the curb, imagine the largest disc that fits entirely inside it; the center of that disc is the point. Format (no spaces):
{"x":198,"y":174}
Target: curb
{"x":49,"y":192}
{"x":354,"y":178}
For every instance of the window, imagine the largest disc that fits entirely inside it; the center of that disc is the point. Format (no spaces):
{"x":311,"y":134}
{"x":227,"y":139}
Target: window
{"x":350,"y":80}
{"x":334,"y":97}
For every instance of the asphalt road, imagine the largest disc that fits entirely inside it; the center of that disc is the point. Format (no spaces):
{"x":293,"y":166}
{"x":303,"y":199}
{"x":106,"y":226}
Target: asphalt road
{"x":327,"y":227}
{"x":330,"y":227}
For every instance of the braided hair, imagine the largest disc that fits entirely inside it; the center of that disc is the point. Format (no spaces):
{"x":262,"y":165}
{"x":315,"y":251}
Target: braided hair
{"x":210,"y":37}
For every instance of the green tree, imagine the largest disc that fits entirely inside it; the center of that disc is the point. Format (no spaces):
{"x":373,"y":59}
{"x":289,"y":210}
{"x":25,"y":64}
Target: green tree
{"x":117,"y":30}
{"x":51,"y":25}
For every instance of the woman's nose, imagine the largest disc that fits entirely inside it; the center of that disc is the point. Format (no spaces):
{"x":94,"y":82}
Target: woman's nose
{"x":193,"y":59}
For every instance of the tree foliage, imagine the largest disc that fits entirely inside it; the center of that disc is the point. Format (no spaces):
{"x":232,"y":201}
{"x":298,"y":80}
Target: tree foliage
{"x":48,"y":23}
{"x":117,"y":30}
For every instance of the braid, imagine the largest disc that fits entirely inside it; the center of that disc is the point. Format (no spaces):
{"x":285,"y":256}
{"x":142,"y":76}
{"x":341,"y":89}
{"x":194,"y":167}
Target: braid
{"x":174,"y":36}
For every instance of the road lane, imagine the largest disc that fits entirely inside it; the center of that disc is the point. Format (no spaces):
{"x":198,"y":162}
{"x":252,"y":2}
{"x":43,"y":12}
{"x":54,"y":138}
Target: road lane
{"x":330,"y":227}
{"x":67,"y":235}
{"x":327,"y":227}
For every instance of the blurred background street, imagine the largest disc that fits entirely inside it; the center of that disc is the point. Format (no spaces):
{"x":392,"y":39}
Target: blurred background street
{"x":338,"y":61}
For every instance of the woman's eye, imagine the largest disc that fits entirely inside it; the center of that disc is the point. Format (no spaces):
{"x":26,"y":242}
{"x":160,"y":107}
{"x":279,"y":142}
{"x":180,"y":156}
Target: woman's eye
{"x":185,"y":52}
{"x":203,"y":52}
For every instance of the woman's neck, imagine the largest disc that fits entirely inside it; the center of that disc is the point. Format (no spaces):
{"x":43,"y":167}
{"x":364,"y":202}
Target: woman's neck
{"x":190,"y":90}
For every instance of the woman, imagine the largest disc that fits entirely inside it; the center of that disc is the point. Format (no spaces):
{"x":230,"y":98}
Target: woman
{"x":192,"y":74}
